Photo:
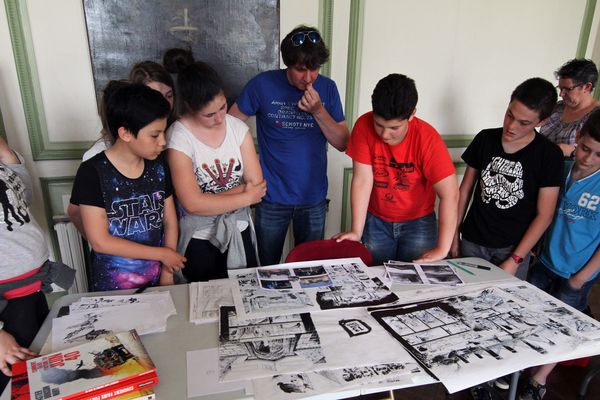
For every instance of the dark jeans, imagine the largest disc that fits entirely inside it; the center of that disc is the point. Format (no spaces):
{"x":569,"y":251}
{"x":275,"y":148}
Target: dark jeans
{"x":494,"y":255}
{"x":272,"y":221}
{"x":205,"y":261}
{"x":401,"y":241}
{"x":22,"y":318}
{"x":559,"y":287}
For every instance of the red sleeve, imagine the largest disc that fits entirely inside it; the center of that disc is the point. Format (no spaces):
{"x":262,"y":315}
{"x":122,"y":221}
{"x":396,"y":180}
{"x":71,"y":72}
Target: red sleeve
{"x":358,"y":145}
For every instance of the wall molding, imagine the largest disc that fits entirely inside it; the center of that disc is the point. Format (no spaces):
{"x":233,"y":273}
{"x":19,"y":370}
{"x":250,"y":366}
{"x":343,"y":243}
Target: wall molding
{"x":52,"y":191}
{"x":586,"y":28}
{"x":326,"y":29}
{"x":353,"y":65}
{"x":22,"y":45}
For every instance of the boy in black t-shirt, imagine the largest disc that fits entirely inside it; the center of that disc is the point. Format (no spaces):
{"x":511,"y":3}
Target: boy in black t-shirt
{"x":126,"y":196}
{"x":516,"y":174}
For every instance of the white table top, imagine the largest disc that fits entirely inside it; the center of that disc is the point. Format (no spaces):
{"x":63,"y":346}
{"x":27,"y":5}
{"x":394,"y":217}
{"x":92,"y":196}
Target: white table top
{"x":168,"y":350}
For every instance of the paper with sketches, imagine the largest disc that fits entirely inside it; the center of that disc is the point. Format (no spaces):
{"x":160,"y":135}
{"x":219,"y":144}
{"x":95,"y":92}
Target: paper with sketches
{"x":161,"y":302}
{"x":293,"y":278}
{"x":306,"y":384}
{"x":440,"y":273}
{"x":206,"y":297}
{"x":203,"y":374}
{"x":266,"y":346}
{"x":94,"y":316}
{"x":351,"y":286}
{"x":477,"y":336}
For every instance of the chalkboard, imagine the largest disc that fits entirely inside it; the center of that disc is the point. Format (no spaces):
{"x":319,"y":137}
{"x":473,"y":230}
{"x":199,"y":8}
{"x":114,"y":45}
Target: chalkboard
{"x":239,"y":38}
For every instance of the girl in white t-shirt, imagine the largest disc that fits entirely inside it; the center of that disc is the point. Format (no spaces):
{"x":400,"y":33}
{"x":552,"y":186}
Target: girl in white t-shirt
{"x":216,"y":175}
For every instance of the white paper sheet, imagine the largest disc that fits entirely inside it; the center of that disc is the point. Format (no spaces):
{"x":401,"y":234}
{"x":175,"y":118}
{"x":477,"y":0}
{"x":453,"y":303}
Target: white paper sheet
{"x":439,"y":273}
{"x":161,"y":302}
{"x":352,"y":287}
{"x":326,"y":383}
{"x":203,"y":374}
{"x":206,"y":297}
{"x":477,"y":336}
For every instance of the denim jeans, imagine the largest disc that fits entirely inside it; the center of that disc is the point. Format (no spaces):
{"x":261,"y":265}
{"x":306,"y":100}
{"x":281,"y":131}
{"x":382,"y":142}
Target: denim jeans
{"x":272,"y":220}
{"x":559,"y":287}
{"x":494,"y":255}
{"x":401,"y":241}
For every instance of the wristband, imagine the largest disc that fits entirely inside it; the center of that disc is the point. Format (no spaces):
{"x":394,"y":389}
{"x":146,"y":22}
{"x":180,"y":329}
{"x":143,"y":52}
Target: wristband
{"x":516,"y":258}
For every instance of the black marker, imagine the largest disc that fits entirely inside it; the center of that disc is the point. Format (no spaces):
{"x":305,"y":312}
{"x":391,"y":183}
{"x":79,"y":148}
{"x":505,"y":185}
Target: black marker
{"x":142,"y":288}
{"x":466,"y":264}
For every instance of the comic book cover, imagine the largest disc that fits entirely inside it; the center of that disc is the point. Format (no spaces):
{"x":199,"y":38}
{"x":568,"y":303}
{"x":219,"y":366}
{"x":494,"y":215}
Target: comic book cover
{"x":112,"y":366}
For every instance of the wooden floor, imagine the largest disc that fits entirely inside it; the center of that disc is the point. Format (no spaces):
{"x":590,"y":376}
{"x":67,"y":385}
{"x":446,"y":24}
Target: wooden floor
{"x":563,"y":383}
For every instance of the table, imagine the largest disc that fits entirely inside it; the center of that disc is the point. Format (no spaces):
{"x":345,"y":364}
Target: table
{"x":168,"y":350}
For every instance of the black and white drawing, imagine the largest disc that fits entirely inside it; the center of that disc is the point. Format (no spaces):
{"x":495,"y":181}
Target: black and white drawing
{"x":355,"y":327}
{"x":300,"y":385}
{"x":415,"y":274}
{"x":205,"y":299}
{"x":461,"y":338}
{"x":337,"y":283}
{"x":282,"y":278}
{"x":266,"y":346}
{"x":361,"y":293}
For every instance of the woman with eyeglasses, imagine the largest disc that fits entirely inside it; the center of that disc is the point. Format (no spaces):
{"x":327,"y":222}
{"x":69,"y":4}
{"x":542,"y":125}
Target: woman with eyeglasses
{"x":576,"y":81}
{"x":216,"y":175}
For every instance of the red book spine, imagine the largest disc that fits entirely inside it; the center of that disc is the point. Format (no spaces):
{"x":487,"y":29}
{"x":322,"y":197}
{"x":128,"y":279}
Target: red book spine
{"x":119,"y":390}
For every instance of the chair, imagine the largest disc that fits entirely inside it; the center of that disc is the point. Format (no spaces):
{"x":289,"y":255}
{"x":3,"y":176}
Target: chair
{"x":329,"y":248}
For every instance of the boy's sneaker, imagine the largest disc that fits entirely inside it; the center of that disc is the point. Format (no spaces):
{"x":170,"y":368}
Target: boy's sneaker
{"x":502,"y":383}
{"x":533,"y":391}
{"x":485,"y":392}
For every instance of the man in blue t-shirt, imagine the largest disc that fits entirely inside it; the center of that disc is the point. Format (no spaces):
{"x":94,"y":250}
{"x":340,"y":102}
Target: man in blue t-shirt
{"x":297,"y":112}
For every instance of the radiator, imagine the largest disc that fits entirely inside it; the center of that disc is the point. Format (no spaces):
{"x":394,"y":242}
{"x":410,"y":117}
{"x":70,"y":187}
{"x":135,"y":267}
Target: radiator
{"x":71,"y":252}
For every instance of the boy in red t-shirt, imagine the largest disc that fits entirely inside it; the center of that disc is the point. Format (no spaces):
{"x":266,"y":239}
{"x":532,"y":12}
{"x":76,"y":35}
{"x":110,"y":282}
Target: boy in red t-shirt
{"x":400,"y":165}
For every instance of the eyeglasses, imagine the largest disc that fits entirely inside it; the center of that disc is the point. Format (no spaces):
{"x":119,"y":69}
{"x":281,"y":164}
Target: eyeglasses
{"x":567,"y":89}
{"x":299,"y":38}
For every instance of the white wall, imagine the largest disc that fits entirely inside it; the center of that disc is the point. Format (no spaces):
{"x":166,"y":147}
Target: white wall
{"x":465,"y":55}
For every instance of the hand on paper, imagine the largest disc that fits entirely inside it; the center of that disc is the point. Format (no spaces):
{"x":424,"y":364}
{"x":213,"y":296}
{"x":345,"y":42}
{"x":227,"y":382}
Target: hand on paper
{"x":11,"y":352}
{"x":435,"y":254}
{"x":346,"y":236}
{"x":172,"y":260}
{"x":256,"y":191}
{"x":310,"y":101}
{"x":510,"y":266}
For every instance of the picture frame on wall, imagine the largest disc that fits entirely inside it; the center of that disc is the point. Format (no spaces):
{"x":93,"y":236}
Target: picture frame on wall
{"x":239,"y":38}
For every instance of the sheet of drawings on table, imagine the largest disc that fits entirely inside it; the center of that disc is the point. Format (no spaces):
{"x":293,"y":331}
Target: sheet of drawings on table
{"x":306,"y":287}
{"x":479,"y":335}
{"x":206,"y":297}
{"x":293,"y":343}
{"x":439,"y":273}
{"x":92,"y":317}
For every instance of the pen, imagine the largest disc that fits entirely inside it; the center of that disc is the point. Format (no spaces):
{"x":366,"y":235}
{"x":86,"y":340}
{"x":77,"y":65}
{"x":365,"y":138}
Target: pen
{"x":459,"y":267}
{"x":466,"y":264}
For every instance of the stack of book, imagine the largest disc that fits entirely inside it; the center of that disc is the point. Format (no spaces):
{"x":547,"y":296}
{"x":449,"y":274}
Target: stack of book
{"x":113,"y":367}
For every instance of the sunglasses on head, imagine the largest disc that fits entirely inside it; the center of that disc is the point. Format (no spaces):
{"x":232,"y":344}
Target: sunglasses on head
{"x":299,"y":38}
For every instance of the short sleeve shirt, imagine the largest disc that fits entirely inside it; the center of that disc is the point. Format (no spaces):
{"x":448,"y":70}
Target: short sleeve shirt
{"x":291,"y":145}
{"x":404,"y":174}
{"x":134,"y":208}
{"x":217,"y":169}
{"x":506,"y":192}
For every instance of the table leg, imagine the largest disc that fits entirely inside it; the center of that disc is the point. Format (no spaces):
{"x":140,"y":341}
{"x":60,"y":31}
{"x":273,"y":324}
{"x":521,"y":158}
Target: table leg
{"x":514,"y":382}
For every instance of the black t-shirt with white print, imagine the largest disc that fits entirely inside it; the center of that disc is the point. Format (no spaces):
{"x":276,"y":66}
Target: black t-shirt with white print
{"x":506,"y":192}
